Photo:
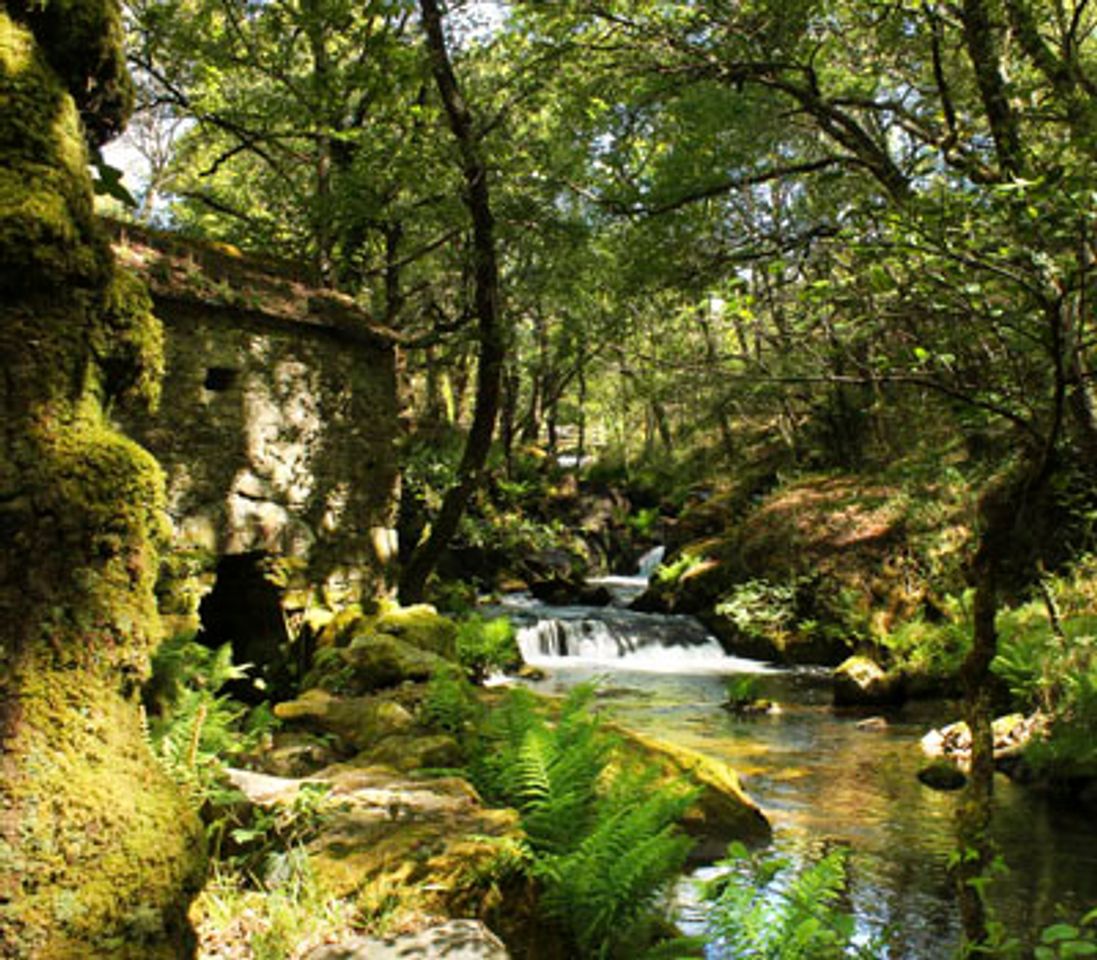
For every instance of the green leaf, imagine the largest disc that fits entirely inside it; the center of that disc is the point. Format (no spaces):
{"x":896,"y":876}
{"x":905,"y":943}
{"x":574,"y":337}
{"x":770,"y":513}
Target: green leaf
{"x":1057,"y":932}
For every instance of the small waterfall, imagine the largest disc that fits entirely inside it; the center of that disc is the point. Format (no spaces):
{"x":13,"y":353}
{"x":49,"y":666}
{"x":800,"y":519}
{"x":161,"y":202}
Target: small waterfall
{"x":621,"y":638}
{"x":650,"y":560}
{"x":617,"y":637}
{"x":626,"y":588}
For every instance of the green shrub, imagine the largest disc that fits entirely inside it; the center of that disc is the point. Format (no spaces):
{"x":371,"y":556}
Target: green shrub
{"x":643,"y":521}
{"x":759,"y":608}
{"x":194,"y":729}
{"x":741,"y":691}
{"x":934,"y":649}
{"x":1065,"y":941}
{"x":487,"y":646}
{"x":671,"y":573}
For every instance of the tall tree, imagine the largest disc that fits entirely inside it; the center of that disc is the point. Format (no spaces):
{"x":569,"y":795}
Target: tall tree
{"x":492,"y":334}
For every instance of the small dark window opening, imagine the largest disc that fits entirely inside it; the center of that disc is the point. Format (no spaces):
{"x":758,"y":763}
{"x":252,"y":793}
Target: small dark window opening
{"x":220,"y":378}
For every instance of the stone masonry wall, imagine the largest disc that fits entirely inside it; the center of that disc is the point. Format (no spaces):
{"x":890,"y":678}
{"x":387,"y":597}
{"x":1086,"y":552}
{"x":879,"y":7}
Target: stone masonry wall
{"x":277,"y":432}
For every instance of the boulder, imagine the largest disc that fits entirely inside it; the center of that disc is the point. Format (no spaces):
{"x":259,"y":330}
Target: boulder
{"x":408,"y":752}
{"x":373,"y":661}
{"x":779,"y":646}
{"x":722,"y":812}
{"x":420,"y":626}
{"x":453,"y":940}
{"x":1012,"y":734}
{"x":942,"y":774}
{"x":408,"y":848}
{"x":362,"y":722}
{"x":861,"y":682}
{"x":295,"y":753}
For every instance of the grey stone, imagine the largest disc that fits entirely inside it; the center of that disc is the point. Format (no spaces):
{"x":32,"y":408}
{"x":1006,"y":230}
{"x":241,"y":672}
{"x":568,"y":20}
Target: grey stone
{"x":454,"y":940}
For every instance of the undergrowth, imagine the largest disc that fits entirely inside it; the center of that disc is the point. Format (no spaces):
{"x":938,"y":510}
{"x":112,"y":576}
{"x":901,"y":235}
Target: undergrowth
{"x":604,"y":840}
{"x":758,"y":910}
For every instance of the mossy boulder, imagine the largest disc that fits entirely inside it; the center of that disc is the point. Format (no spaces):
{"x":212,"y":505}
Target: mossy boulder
{"x":408,"y":752}
{"x":722,"y":812}
{"x":374,"y":661}
{"x":361,"y":722}
{"x":861,"y":682}
{"x":296,"y":753}
{"x":404,"y":849}
{"x":419,"y":625}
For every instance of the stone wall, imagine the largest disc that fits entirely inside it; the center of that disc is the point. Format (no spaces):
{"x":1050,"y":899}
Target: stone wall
{"x":279,"y":414}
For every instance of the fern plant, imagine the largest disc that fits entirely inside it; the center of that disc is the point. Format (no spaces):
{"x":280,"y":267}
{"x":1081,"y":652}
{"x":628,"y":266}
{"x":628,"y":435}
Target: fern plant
{"x":759,"y":912}
{"x":604,"y":840}
{"x":193,"y":728}
{"x":449,"y":704}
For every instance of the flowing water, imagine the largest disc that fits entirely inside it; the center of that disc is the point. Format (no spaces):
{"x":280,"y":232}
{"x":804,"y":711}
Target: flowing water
{"x":819,"y":777}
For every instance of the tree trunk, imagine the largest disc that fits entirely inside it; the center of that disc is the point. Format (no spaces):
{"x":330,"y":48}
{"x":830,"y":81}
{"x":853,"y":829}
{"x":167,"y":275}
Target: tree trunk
{"x":973,"y":816}
{"x":492,"y":336}
{"x":101,"y":854}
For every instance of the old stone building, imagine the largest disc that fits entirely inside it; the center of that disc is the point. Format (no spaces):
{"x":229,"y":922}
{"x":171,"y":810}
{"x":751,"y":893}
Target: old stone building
{"x":276,"y":430}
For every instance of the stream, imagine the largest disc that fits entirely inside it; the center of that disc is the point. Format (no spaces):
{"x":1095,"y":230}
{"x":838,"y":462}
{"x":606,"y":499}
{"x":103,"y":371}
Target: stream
{"x":819,"y":778}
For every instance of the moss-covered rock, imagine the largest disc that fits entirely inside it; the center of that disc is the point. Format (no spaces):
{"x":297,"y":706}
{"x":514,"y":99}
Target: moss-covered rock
{"x":861,"y":682}
{"x":405,"y":849}
{"x":374,"y":661}
{"x":722,"y":812}
{"x":421,"y":626}
{"x":362,"y":722}
{"x":408,"y":752}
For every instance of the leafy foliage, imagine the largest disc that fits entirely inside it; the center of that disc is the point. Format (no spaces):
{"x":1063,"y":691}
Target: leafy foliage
{"x":450,"y":704}
{"x":741,"y":691}
{"x":758,"y":912}
{"x":932,"y":648}
{"x":1065,"y":941}
{"x":193,"y":728}
{"x":760,"y":608}
{"x":605,"y":842}
{"x":671,"y":573}
{"x":486,"y":646}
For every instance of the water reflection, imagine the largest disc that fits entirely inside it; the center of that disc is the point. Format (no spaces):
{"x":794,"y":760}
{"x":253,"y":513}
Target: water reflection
{"x":821,"y":779}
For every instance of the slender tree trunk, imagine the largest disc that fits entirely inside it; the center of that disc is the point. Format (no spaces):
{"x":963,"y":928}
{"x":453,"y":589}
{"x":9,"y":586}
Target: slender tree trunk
{"x":973,"y":818}
{"x":510,"y":417}
{"x":712,"y":354}
{"x":582,"y":444}
{"x":492,"y":336}
{"x":322,"y":213}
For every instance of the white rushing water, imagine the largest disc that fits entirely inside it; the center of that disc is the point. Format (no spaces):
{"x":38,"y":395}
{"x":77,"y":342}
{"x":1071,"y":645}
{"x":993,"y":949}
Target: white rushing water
{"x":627,"y":587}
{"x":615,"y":637}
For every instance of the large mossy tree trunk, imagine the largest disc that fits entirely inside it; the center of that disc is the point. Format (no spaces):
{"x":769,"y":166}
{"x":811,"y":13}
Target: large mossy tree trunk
{"x":99,"y":855}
